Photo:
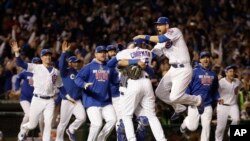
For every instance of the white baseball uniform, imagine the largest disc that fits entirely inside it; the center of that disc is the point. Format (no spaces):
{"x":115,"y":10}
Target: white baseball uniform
{"x":45,"y":85}
{"x":229,"y":93}
{"x":139,"y":91}
{"x":172,"y":86}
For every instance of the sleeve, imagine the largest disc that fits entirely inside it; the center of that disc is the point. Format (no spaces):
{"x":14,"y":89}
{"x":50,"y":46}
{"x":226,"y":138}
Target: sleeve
{"x":157,"y":50}
{"x":18,"y":81}
{"x":63,"y":65}
{"x":114,"y":77}
{"x":122,"y":54}
{"x":82,"y":77}
{"x":112,"y":62}
{"x":173,"y":34}
{"x":62,"y":91}
{"x":21,"y":63}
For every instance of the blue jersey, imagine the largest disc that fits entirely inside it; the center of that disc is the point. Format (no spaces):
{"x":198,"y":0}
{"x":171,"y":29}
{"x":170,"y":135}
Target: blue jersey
{"x":98,"y":94}
{"x":205,"y":83}
{"x":26,"y":87}
{"x":115,"y":86}
{"x":68,"y":76}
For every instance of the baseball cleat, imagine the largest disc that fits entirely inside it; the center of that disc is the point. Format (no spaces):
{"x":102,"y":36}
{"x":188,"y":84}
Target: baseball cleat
{"x":21,"y":136}
{"x":183,"y":130}
{"x":72,"y":137}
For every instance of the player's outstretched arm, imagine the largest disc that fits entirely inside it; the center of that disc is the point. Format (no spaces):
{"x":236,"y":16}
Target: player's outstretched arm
{"x":62,"y":61}
{"x":155,"y":38}
{"x":16,"y":50}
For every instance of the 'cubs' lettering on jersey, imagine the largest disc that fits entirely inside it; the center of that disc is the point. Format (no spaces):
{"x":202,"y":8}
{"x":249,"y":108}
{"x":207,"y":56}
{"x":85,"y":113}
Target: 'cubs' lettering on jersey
{"x":168,"y":44}
{"x":206,"y":79}
{"x":101,"y":75}
{"x":54,"y":77}
{"x":72,"y":76}
{"x":140,"y":54}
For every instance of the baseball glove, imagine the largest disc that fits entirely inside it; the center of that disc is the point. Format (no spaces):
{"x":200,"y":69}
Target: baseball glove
{"x":134,"y":72}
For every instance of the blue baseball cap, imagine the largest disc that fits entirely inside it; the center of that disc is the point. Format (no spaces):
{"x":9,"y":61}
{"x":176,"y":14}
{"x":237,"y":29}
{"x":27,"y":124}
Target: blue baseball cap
{"x":205,"y":54}
{"x":73,"y":59}
{"x":45,"y":51}
{"x":139,"y":41}
{"x":100,"y":49}
{"x":230,"y":67}
{"x":111,"y":47}
{"x":162,"y":20}
{"x":36,"y":60}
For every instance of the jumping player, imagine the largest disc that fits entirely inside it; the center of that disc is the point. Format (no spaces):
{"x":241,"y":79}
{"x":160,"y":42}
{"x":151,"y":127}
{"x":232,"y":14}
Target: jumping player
{"x":204,"y":82}
{"x":72,"y":104}
{"x":46,"y":80}
{"x":229,"y":87}
{"x":172,"y":86}
{"x":95,"y":78}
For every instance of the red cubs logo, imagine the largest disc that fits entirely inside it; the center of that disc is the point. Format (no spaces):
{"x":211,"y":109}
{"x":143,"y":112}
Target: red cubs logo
{"x":206,"y":79}
{"x":54,"y":77}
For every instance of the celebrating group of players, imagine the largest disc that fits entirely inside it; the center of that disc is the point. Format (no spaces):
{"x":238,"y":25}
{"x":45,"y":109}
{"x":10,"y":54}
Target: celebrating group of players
{"x":103,"y":90}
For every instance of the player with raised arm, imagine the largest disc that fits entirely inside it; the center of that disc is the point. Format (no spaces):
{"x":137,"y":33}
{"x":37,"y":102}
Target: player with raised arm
{"x":96,"y":78}
{"x":172,"y":86}
{"x":46,"y":80}
{"x":71,"y":103}
{"x":24,"y":86}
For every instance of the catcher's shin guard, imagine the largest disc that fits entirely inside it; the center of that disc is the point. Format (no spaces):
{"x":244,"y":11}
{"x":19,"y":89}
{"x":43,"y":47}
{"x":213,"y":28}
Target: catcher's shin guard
{"x":141,"y":129}
{"x":121,"y":135}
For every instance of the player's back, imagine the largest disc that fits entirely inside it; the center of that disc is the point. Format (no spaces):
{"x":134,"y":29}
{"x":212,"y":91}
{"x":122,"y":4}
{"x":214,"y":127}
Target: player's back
{"x":135,"y":53}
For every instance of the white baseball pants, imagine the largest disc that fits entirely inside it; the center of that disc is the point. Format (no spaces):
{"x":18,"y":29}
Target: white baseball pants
{"x":37,"y":107}
{"x":223,"y":112}
{"x":140,"y":92}
{"x":192,"y":121}
{"x":172,"y":86}
{"x":67,"y":109}
{"x":96,"y":116}
{"x":26,"y":109}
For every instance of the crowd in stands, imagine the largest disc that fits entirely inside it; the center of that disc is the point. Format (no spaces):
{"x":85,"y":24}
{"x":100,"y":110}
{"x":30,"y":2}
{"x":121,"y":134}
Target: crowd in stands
{"x":221,"y":27}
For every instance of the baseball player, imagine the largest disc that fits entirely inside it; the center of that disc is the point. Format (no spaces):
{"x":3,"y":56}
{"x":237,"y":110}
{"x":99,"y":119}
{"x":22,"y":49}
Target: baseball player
{"x":96,"y":78}
{"x":72,"y":104}
{"x":229,"y":87}
{"x":141,"y":119}
{"x":24,"y":86}
{"x":46,"y":80}
{"x":172,"y":86}
{"x":138,"y":92}
{"x":204,"y":82}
